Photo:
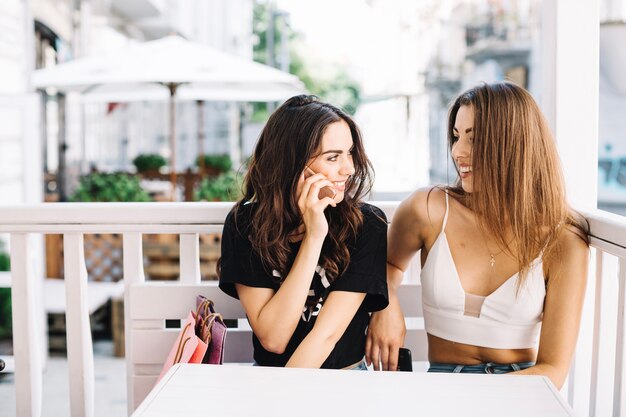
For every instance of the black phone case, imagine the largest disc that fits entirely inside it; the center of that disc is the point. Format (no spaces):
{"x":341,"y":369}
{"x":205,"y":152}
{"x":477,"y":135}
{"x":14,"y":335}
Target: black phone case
{"x":405,"y":362}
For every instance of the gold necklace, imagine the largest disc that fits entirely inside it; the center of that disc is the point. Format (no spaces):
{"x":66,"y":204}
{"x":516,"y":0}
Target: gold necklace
{"x":492,"y":256}
{"x":492,"y":261}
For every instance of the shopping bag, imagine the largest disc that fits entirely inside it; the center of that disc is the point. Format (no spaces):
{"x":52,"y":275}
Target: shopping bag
{"x":187,"y":348}
{"x":211,"y":329}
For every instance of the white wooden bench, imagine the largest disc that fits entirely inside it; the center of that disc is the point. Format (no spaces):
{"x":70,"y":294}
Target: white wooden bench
{"x":154,"y":305}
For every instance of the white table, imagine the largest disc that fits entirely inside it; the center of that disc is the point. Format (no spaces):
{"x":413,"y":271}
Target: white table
{"x":230,"y":390}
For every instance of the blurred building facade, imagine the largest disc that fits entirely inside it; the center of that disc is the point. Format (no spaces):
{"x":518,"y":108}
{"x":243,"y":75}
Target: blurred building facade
{"x":20,"y":150}
{"x":437,"y":49}
{"x":42,"y":33}
{"x":107,"y":136}
{"x":457,"y":44}
{"x":453,"y":44}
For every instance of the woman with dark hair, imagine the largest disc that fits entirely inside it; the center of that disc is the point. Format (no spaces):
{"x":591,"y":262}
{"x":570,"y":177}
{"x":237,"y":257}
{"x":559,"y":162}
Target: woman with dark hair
{"x":301,"y":251}
{"x":504,"y":258}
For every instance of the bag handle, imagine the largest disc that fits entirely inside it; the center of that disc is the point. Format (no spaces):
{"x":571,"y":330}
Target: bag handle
{"x":208,"y":321}
{"x":206,"y":306}
{"x":181,"y":346}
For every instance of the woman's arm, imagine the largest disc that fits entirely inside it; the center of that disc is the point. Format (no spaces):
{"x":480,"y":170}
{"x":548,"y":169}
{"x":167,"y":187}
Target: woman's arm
{"x":562,"y":310}
{"x":274,"y":316}
{"x":386,"y":330}
{"x":331,"y":323}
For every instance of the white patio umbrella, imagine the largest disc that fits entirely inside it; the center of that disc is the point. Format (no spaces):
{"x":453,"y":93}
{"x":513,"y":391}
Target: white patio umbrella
{"x":174,"y":67}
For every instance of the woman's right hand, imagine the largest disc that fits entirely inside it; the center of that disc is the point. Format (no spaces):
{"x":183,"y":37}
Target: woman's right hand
{"x":312,"y":207}
{"x":385,"y":336}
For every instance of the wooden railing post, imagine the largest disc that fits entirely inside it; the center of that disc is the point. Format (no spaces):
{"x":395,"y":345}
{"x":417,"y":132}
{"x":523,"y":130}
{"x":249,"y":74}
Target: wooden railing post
{"x":133,"y":273}
{"x":79,"y":344}
{"x":618,"y":387}
{"x":597,"y":322}
{"x":189,"y":258}
{"x":26,"y":328}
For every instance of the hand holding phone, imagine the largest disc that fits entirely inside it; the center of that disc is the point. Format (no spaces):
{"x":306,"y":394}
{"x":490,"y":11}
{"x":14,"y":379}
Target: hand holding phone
{"x":325,"y":191}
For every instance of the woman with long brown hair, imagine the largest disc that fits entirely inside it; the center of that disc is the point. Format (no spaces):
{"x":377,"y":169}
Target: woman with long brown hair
{"x":504,"y":259}
{"x":301,"y":251}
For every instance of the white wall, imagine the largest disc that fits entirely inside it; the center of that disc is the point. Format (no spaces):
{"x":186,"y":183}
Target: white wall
{"x":20,"y":150}
{"x":570,"y":87}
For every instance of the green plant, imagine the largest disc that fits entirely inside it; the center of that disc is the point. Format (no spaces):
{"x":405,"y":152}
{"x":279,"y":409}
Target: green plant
{"x":149,"y":162}
{"x":4,"y":262}
{"x":5,"y":298}
{"x":222,"y":163}
{"x":224,"y":187}
{"x":109,"y":187}
{"x":6,"y":328}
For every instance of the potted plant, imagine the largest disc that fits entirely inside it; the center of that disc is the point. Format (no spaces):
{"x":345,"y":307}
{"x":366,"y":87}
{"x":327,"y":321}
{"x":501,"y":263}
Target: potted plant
{"x":214,"y":164}
{"x":108,"y":187}
{"x":149,"y":163}
{"x":224,"y":187}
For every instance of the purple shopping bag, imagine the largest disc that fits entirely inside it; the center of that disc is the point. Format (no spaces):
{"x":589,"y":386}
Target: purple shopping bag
{"x":211,"y":329}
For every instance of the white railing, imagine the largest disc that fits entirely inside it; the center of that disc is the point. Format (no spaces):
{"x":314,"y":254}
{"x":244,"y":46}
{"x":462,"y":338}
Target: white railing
{"x":605,"y":305}
{"x":596,"y":378}
{"x":73,"y":220}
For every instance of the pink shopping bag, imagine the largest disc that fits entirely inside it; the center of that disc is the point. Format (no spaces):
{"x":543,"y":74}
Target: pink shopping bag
{"x":188,"y":348}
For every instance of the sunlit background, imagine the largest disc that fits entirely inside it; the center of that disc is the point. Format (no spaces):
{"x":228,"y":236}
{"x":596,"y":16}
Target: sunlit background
{"x":394,"y":66}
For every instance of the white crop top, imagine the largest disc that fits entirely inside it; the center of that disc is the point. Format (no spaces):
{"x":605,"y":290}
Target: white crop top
{"x":505,"y":320}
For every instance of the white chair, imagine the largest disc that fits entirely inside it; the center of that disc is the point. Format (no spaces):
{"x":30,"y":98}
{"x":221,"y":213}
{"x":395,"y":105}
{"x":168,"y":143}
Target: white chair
{"x":410,"y":296}
{"x":150,"y":304}
{"x":153,"y":305}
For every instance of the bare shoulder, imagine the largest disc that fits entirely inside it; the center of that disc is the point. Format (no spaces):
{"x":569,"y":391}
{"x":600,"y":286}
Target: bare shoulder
{"x":411,"y":226}
{"x":573,"y":254}
{"x":573,"y":243}
{"x":423,"y":210}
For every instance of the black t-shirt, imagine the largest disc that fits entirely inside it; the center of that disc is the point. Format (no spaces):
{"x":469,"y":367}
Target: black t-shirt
{"x":366,"y":273}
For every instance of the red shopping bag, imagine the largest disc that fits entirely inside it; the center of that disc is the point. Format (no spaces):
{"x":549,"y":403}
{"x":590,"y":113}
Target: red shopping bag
{"x":188,"y":348}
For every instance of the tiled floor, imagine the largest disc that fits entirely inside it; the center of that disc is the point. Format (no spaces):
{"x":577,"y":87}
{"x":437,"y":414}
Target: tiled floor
{"x":110,"y":386}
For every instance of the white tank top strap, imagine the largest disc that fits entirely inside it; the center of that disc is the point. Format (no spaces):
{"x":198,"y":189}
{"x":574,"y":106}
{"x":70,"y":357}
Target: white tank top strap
{"x":445,"y":216}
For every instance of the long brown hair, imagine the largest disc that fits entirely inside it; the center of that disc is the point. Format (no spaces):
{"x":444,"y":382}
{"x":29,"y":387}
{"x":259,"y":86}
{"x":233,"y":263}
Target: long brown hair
{"x":516,"y":173}
{"x":291,"y":137}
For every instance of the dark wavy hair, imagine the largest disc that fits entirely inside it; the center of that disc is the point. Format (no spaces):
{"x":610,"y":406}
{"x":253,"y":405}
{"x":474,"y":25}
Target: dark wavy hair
{"x":291,"y":137}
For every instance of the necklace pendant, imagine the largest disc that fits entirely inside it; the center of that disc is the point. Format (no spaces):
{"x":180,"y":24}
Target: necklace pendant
{"x":493,"y":260}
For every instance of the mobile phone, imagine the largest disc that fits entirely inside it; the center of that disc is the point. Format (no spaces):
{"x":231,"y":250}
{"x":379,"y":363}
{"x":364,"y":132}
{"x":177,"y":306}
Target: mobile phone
{"x":405,"y":363}
{"x":325,"y":191}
